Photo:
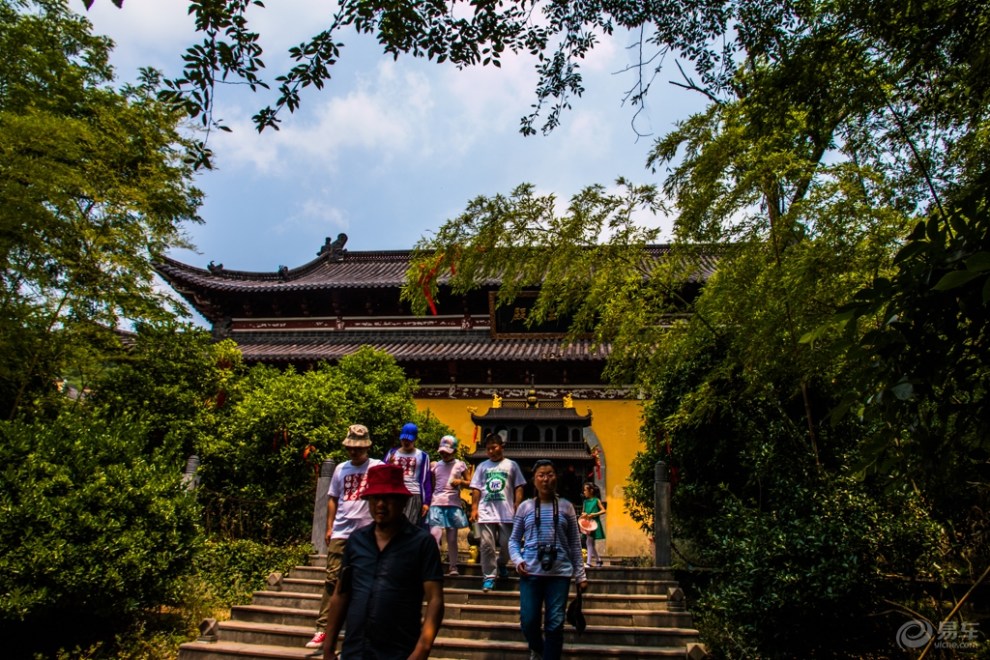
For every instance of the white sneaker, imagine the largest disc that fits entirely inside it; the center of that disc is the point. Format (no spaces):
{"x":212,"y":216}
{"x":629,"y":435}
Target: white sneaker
{"x":317,"y":641}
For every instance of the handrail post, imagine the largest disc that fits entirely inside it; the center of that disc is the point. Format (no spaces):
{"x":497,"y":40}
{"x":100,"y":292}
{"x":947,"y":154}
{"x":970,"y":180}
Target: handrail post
{"x":661,"y":516}
{"x":319,"y":537}
{"x":190,"y":476}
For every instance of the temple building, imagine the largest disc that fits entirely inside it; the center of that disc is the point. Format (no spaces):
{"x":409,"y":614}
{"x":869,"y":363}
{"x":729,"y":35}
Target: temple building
{"x":481,"y":368}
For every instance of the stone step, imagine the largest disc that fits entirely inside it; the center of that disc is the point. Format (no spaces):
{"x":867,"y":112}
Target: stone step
{"x":279,"y":615}
{"x":609,"y":571}
{"x":226,"y":650}
{"x":443,"y":649}
{"x":628,"y":609}
{"x":311,"y":580}
{"x":266,"y":634}
{"x":269,"y":608}
{"x":474,"y":596}
{"x":292,"y":599}
{"x":301,"y":586}
{"x":591,"y":600}
{"x":482,"y":649}
{"x":593,"y":634}
{"x":284,"y":634}
{"x":612,"y":618}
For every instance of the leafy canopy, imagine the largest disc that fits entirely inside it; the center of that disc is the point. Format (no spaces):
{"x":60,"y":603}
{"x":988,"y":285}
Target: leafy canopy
{"x":261,"y":457}
{"x":847,"y":207}
{"x":95,"y":186}
{"x":713,"y":36}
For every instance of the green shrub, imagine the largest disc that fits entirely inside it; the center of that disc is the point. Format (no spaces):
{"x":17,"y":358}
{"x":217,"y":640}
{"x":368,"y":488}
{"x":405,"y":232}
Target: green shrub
{"x":806,"y":579}
{"x":232,"y":569}
{"x":94,"y":529}
{"x":799,"y":544}
{"x":259,"y":470}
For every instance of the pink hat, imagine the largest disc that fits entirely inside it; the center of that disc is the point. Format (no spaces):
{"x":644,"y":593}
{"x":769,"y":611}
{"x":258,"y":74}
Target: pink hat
{"x":587,"y":525}
{"x":385,"y":479}
{"x":448,"y":444}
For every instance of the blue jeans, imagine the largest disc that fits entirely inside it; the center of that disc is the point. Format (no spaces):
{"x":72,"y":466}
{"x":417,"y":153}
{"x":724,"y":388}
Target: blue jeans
{"x":546,"y":596}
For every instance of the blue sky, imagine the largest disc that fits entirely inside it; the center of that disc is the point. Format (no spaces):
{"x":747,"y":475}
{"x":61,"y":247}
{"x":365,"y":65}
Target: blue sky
{"x":387,"y":150}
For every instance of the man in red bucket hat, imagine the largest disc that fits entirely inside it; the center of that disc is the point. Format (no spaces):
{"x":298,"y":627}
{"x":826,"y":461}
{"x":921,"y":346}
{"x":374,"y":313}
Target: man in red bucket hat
{"x":388,"y":569}
{"x":347,"y":512}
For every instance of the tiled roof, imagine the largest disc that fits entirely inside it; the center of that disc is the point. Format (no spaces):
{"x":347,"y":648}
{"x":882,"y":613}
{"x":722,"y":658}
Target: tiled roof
{"x":382,"y":269}
{"x":495,"y":415}
{"x":530,"y":451}
{"x":372,"y":269}
{"x":287,"y":347}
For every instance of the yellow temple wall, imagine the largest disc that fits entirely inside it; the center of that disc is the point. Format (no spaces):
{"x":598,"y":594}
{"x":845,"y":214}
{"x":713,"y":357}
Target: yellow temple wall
{"x":615,"y":422}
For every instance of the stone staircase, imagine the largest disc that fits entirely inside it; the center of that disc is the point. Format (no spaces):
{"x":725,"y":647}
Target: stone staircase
{"x":632,"y":612}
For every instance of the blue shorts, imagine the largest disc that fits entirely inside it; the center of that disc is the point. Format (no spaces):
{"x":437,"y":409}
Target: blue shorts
{"x":446,"y":516}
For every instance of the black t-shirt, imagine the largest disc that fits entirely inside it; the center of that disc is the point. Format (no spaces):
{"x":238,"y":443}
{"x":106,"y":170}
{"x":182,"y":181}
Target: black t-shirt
{"x":384,"y":617}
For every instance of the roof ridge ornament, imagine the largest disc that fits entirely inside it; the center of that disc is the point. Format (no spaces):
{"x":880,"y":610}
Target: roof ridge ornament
{"x":334,"y":250}
{"x":531,"y":399}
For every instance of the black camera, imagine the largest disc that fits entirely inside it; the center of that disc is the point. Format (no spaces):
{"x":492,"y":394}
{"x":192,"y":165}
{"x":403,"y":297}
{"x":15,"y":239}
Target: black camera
{"x":547,"y":554}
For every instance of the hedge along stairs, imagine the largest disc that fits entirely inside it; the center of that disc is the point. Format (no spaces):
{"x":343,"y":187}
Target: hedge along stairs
{"x":632,"y":612}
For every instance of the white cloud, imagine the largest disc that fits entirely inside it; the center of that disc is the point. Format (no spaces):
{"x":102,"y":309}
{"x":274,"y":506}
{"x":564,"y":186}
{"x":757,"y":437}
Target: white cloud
{"x":313,"y":216}
{"x":588,"y":134}
{"x":387,"y":149}
{"x":388,"y":115}
{"x":148,"y":24}
{"x":244,"y":148}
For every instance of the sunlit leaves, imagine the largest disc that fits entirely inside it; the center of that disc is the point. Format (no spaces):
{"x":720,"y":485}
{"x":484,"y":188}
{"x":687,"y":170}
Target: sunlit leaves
{"x":579,"y":254}
{"x":278,"y":425}
{"x":95,"y":185}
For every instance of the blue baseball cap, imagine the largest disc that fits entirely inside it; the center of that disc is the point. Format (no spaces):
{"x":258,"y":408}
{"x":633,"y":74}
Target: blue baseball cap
{"x":409,"y":432}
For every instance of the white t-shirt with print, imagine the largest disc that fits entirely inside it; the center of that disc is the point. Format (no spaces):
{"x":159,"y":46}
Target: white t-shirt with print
{"x":347,"y":485}
{"x":411,"y":465}
{"x":497,"y":483}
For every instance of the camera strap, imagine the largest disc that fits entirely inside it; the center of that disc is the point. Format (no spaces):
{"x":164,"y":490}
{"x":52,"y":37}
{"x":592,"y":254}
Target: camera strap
{"x":556,"y":514}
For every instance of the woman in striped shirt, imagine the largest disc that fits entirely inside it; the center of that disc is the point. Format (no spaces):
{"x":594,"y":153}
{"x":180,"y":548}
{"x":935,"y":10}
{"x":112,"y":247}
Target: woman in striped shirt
{"x":545,"y":547}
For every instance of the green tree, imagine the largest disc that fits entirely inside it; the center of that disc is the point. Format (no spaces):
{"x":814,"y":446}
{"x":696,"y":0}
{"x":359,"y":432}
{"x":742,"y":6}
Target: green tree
{"x":923,"y":370}
{"x":833,"y":129}
{"x":96,"y":529}
{"x":713,"y":35}
{"x":95,"y":186}
{"x":174,"y":377}
{"x":821,"y":149}
{"x":260,"y":467}
{"x":379,"y":395}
